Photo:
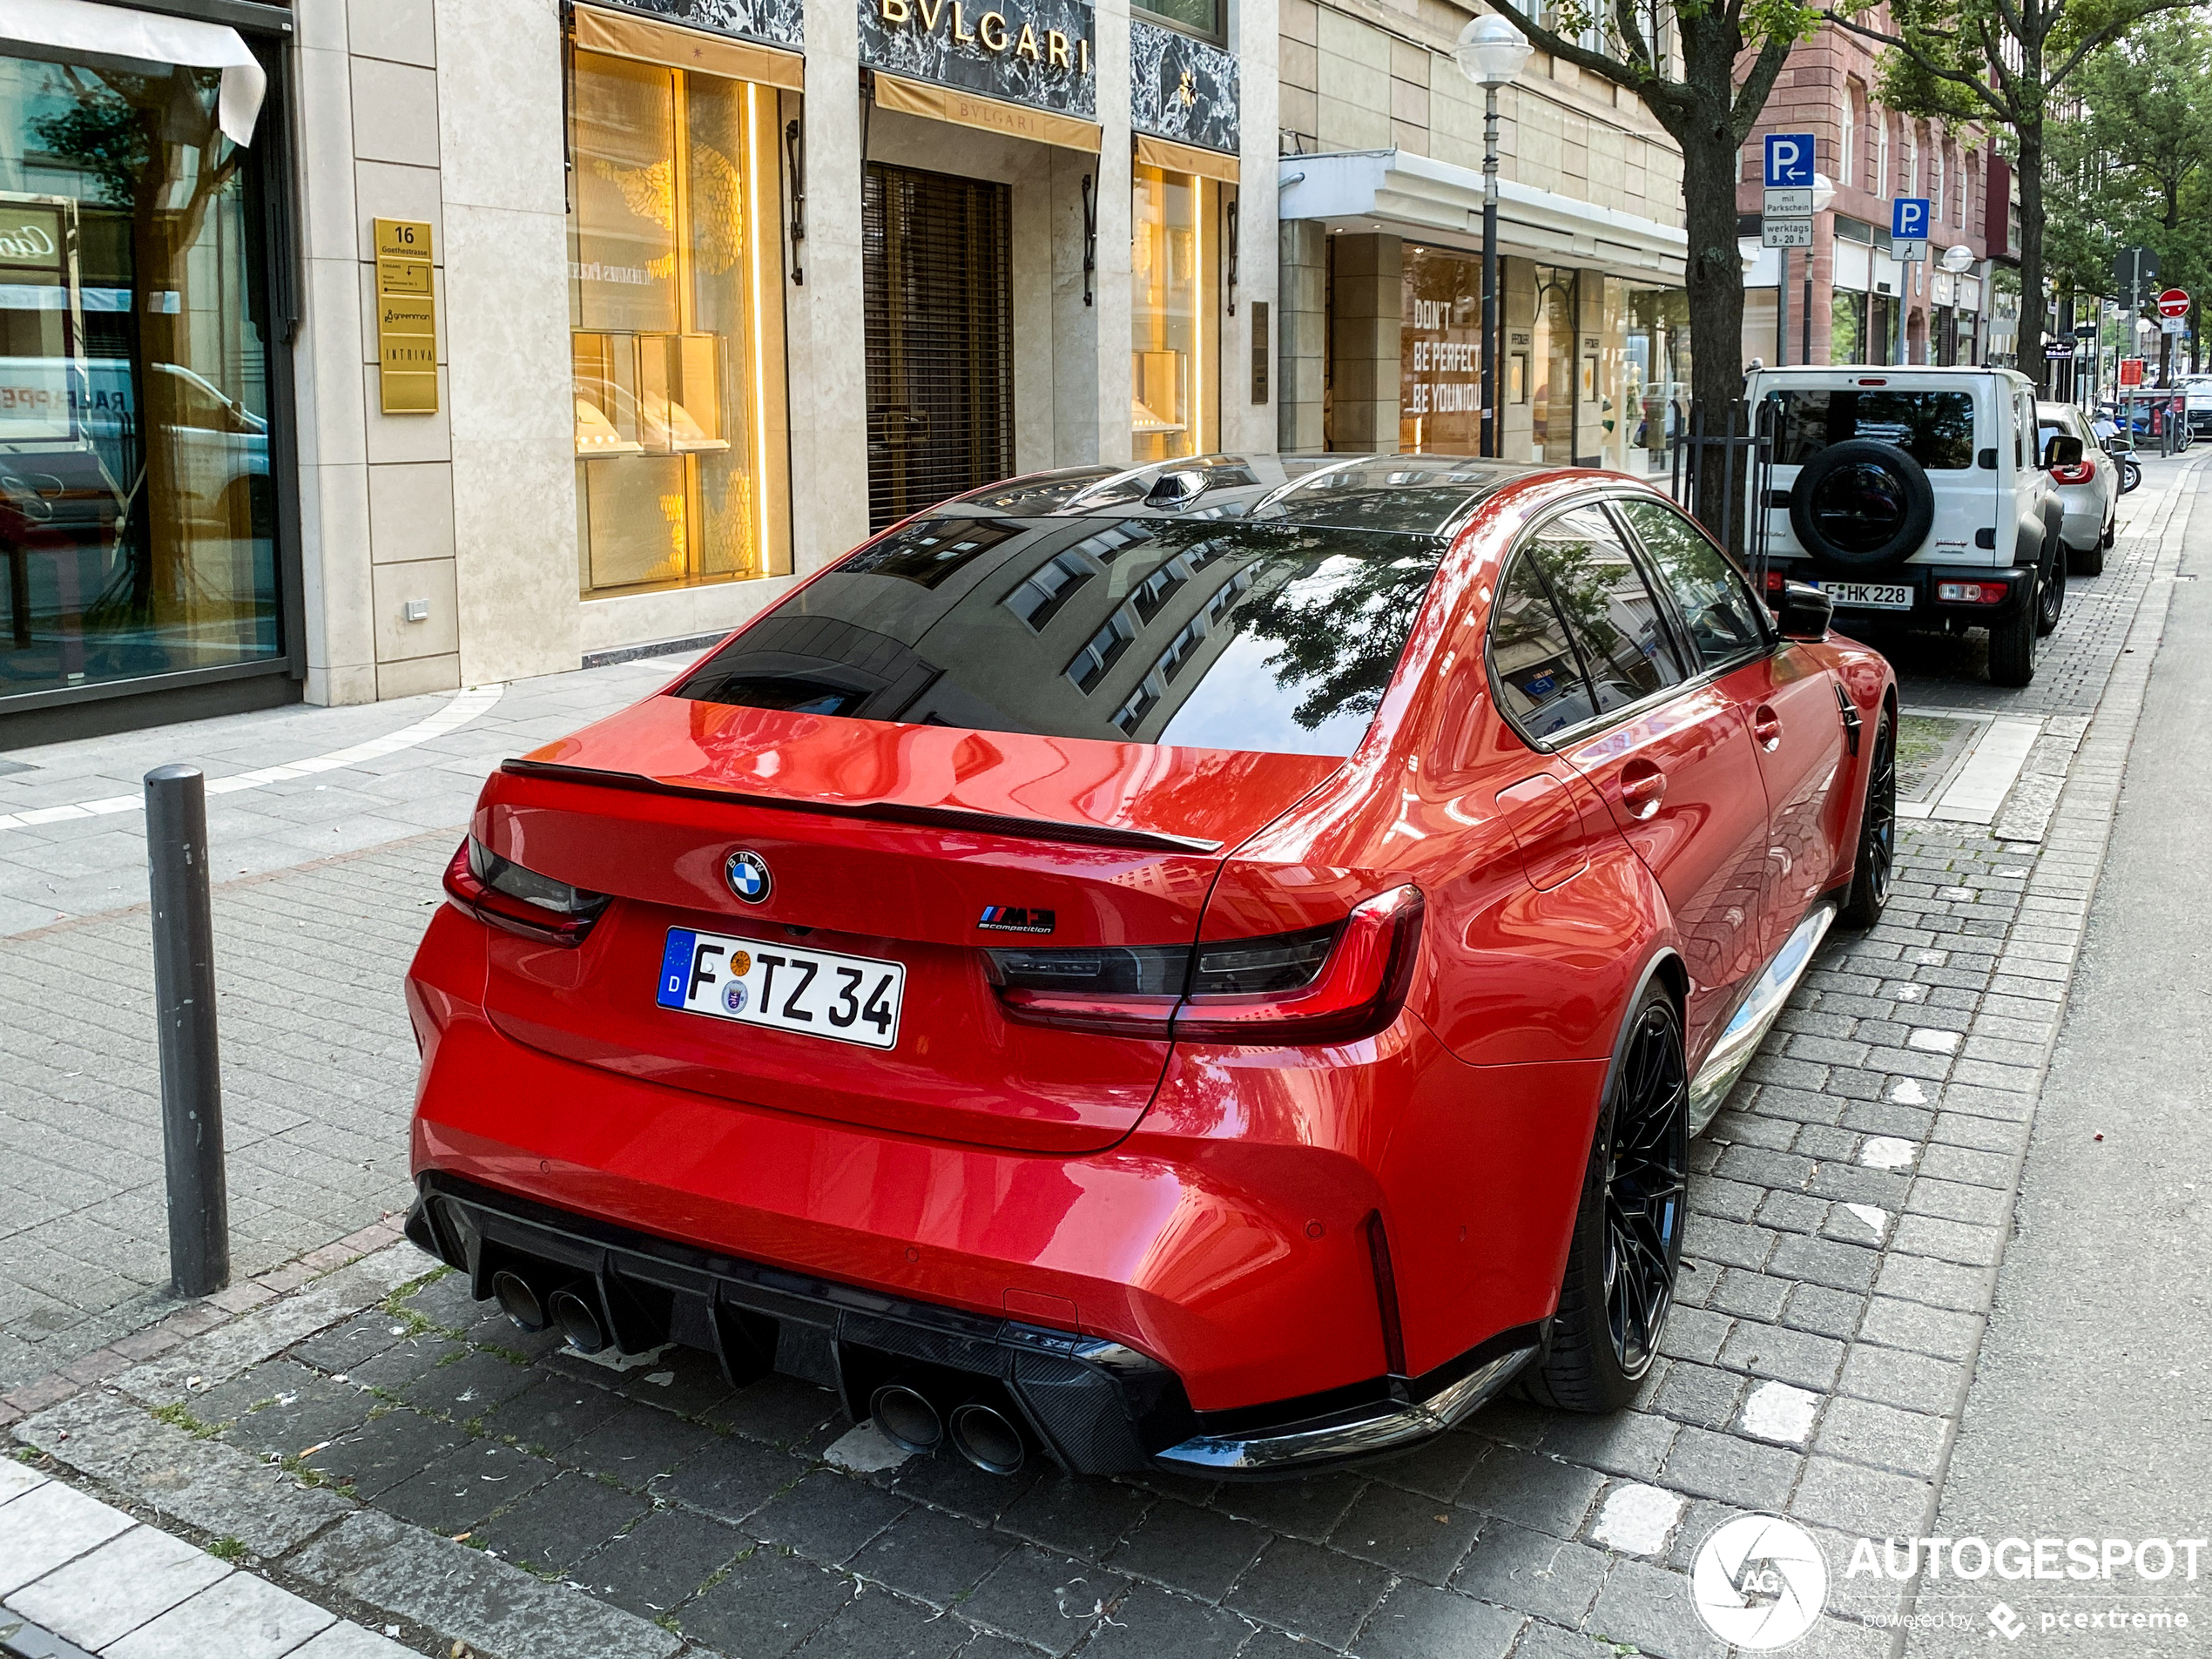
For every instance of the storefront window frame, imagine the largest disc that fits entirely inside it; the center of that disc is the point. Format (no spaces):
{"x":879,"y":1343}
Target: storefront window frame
{"x":1218,"y":34}
{"x":1204,"y":390}
{"x":268,"y":175}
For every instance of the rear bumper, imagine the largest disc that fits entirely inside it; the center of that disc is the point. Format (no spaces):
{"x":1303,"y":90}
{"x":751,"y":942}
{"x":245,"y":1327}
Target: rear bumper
{"x":1097,"y":1406}
{"x":1926,"y":580}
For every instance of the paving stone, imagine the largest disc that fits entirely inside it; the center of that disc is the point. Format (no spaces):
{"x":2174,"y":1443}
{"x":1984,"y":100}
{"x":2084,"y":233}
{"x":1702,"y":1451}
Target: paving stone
{"x":933,"y":1557}
{"x":1514,"y":1567}
{"x":103,"y":1596}
{"x":1549,"y":1642}
{"x":468,"y":1595}
{"x":1201,"y":1551}
{"x":1632,"y":1443}
{"x":1894,"y":1322}
{"x":557,"y":1523}
{"x":1938,"y":1283}
{"x":469,"y":1387}
{"x":1530,"y":1491}
{"x":1891,"y":1377}
{"x":237,"y":1617}
{"x":1702,"y":1394}
{"x":1079,"y":1517}
{"x":1909,"y":1443}
{"x":1147,"y":1623}
{"x":1439,"y":1466}
{"x":950,"y":1481}
{"x":1856,"y":1498}
{"x":730,"y":1478}
{"x":1309,"y":1508}
{"x":550,"y":1414}
{"x":878,"y":1626}
{"x":465,"y":1485}
{"x":637,"y":1443}
{"x":783,"y":1410}
{"x":1791,"y":1356}
{"x":1417,"y":1622}
{"x":1649,"y":1608}
{"x":307,"y":1410}
{"x":384,"y":1451}
{"x":1842,"y":1267}
{"x":827,"y":1516}
{"x":662,"y":1561}
{"x":1829,"y":1314}
{"x":1732,"y":1469}
{"x":405,"y":1363}
{"x":1048,"y":1600}
{"x":1311,"y":1592}
{"x":1417,"y":1537}
{"x":767,"y":1605}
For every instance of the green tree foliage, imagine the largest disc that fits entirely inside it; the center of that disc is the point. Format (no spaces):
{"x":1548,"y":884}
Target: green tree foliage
{"x":1704,"y":69}
{"x":2010,"y":63}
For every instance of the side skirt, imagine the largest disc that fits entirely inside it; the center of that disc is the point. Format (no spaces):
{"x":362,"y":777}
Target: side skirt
{"x":1755,"y":1015}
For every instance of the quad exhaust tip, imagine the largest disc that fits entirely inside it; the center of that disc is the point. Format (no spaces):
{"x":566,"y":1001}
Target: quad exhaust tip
{"x":518,"y":1302}
{"x":908,"y":1420}
{"x":988,"y":1439}
{"x":576,"y":1319}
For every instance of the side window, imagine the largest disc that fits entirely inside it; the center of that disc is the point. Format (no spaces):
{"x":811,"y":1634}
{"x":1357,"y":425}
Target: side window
{"x":1611,"y":615}
{"x":1712,"y":595}
{"x":2024,"y":454}
{"x":1540,"y":687}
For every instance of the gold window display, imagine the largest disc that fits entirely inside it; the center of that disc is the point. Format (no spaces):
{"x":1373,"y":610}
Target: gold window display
{"x":676,"y":309}
{"x":1174,"y":358}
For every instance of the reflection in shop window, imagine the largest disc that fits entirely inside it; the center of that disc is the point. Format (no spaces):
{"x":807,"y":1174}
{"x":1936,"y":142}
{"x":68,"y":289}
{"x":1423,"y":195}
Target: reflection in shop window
{"x":1656,"y":388}
{"x":137,"y":514}
{"x":1175,"y":270}
{"x":676,"y":308}
{"x":1439,"y":395}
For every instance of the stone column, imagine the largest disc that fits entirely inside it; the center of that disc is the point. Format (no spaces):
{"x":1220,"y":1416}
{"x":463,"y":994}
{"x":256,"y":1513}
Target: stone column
{"x":1301,"y":334}
{"x":1365,"y":297}
{"x":826,"y":330}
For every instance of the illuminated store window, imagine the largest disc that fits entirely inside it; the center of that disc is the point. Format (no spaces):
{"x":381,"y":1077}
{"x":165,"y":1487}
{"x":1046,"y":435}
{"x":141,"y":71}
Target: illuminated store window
{"x":1174,"y":358}
{"x":676,"y":304}
{"x":1440,"y":340}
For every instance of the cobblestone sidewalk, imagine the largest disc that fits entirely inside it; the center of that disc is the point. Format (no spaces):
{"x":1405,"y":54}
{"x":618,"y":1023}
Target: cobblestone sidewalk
{"x":396,"y":1453}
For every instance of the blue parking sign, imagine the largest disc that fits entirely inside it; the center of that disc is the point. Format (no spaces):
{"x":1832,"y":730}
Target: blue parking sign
{"x":1789,"y":161}
{"x":1909,"y":218}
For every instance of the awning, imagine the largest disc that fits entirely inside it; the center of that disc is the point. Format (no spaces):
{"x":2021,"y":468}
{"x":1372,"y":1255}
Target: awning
{"x":1433,"y":201}
{"x":113,"y":31}
{"x":1170,"y":157}
{"x":989,"y":114}
{"x":622,"y":34}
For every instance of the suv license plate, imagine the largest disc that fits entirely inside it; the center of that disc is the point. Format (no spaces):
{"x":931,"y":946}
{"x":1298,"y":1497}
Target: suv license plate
{"x":1872,"y":595}
{"x":850,"y":999}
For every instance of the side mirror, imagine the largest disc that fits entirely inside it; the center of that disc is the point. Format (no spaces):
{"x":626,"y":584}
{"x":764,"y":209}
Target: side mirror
{"x":2063,"y":450}
{"x":1804,"y":613}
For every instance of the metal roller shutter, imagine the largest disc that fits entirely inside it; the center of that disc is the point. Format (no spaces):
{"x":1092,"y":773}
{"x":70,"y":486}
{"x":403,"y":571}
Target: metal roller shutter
{"x":939,"y":313}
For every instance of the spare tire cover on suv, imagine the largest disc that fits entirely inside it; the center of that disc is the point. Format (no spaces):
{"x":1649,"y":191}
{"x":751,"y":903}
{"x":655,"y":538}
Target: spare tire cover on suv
{"x":1862,"y":504}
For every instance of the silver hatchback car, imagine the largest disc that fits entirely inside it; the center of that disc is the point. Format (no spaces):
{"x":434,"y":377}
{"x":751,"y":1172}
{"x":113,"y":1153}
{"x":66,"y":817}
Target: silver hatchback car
{"x":2090,"y":492}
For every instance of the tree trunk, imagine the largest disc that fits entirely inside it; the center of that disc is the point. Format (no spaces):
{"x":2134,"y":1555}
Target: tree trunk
{"x":2029,"y":170}
{"x":1714,"y":276}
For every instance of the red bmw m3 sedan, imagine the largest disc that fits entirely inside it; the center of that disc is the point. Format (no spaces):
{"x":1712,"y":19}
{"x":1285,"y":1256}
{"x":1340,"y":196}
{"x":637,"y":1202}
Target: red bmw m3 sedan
{"x":1214,"y":968}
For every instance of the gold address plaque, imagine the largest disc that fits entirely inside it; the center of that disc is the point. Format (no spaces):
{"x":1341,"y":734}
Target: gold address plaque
{"x":407,"y":317}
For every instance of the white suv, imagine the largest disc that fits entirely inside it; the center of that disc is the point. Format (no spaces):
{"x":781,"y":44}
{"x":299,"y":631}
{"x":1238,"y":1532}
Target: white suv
{"x":1916,"y":495}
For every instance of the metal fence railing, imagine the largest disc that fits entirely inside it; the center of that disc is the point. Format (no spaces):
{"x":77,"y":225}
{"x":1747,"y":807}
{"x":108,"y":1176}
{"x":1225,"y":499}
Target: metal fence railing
{"x":1725,"y":481}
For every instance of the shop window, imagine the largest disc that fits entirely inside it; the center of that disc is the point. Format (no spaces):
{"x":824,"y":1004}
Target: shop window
{"x":676,"y":284}
{"x":1174,"y":356}
{"x":1440,"y":340}
{"x":136,"y":508}
{"x":1846,"y":326}
{"x":1198,"y":16}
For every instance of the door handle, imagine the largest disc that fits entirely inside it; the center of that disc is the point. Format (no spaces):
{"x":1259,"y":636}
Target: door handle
{"x":1642,"y":786}
{"x":1766,"y":726}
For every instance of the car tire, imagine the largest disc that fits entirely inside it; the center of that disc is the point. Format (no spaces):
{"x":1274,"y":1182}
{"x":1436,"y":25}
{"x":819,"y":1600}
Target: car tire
{"x":2012,"y":643}
{"x":1883,"y":476}
{"x":1877,"y":857}
{"x":2050,"y":597}
{"x":2089,"y":561}
{"x":1626,"y":1249}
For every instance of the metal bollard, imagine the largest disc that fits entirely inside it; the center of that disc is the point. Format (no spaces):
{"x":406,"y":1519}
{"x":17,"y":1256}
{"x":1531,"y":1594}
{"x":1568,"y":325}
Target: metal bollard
{"x":183,"y":995}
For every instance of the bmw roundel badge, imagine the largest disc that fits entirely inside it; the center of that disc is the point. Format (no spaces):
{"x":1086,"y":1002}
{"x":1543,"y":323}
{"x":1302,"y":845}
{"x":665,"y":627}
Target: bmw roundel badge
{"x":747,"y":874}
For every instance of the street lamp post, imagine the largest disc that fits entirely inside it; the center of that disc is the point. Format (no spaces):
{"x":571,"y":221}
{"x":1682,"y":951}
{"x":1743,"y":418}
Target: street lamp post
{"x":1490,"y":53}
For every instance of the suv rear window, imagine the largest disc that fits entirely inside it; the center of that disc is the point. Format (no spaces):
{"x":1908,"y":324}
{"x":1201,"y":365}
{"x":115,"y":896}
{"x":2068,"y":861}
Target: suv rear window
{"x":1221,"y":635}
{"x":1935,"y":429}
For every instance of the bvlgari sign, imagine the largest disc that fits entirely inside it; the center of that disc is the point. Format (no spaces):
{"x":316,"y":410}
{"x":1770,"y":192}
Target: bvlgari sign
{"x":1036,"y":52}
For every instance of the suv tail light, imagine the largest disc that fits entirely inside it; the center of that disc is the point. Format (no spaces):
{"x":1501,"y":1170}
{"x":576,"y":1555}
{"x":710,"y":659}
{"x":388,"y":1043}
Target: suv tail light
{"x":2081,"y":475}
{"x":1330,"y":984}
{"x":501,"y":892}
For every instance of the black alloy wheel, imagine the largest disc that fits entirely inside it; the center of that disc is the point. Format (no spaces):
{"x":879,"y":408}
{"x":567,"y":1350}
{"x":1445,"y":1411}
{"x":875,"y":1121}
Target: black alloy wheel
{"x":1619,"y":1285}
{"x":1646,"y":1178}
{"x":2050,"y":599}
{"x":1869,"y":887}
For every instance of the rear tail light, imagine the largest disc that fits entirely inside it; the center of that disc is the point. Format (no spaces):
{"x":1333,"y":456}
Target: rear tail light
{"x":1973,"y":593}
{"x":1331,"y":984}
{"x":1775,"y":581}
{"x":504,"y":893}
{"x":2081,"y":475}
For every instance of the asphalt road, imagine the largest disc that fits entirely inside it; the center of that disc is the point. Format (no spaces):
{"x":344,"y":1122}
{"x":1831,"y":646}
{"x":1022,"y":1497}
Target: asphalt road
{"x":2087,"y":1415}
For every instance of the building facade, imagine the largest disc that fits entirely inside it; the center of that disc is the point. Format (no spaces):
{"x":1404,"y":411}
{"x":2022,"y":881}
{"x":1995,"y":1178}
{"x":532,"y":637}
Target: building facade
{"x":1381,"y":209}
{"x":517,"y":334}
{"x":1850,"y":299}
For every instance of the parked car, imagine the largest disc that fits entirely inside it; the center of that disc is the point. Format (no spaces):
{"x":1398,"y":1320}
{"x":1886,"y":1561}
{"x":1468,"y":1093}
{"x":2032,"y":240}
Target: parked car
{"x":1916,"y":495}
{"x":2088,"y":490}
{"x":2196,"y":393}
{"x":1213,"y":968}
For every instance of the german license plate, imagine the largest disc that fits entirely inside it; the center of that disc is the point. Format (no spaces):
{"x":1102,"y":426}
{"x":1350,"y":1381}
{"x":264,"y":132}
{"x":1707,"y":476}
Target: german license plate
{"x":850,"y":999}
{"x":1871,"y":596}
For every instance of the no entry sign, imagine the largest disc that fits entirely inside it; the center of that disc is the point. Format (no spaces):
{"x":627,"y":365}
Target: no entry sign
{"x":2174,"y":302}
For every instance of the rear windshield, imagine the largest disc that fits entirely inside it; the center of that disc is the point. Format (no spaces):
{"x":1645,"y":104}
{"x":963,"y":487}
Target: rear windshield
{"x":1935,"y":429}
{"x":1223,"y":635}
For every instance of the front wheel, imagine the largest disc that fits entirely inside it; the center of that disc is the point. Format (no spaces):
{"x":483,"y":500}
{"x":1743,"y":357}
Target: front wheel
{"x":1870,"y":885}
{"x":1626,"y":1247}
